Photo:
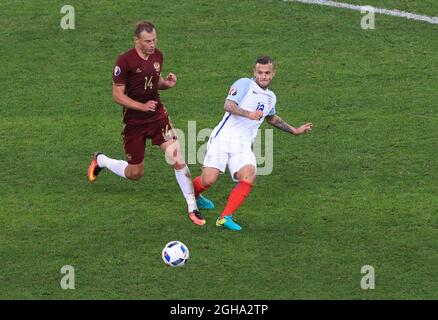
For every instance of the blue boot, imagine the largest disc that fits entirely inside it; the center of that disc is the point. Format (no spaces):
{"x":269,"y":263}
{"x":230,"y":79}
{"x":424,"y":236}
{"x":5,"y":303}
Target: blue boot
{"x":228,"y":223}
{"x":203,"y":203}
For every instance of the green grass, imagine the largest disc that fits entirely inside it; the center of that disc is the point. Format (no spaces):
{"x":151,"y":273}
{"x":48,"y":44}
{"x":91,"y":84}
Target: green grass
{"x":360,"y":190}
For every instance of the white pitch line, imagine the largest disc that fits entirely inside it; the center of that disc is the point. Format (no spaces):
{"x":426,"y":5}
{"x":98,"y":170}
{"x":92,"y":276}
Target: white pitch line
{"x":396,"y":13}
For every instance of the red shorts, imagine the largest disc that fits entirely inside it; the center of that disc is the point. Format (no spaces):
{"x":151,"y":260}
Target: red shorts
{"x":134,"y":137}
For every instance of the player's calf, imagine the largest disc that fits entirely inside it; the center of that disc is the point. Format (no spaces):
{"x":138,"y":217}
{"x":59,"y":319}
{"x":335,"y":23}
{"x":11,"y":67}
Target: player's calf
{"x":134,"y":172}
{"x":205,"y":181}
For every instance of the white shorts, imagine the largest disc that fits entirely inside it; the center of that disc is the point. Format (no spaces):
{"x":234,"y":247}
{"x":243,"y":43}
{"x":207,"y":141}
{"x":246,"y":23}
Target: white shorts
{"x":236,"y":154}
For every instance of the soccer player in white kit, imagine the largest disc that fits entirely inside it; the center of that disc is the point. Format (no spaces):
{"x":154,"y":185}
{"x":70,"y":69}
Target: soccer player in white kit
{"x":248,"y":103}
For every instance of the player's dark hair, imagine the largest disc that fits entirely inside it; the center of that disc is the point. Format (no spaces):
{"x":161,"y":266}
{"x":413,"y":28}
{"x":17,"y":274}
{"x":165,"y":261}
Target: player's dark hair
{"x":143,"y":26}
{"x":264,"y":60}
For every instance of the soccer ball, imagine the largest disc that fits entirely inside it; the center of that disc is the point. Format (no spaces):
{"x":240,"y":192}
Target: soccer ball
{"x":175,"y":254}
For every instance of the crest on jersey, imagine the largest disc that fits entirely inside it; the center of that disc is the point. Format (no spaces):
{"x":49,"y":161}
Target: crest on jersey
{"x":232,"y":92}
{"x":157,"y":66}
{"x":117,"y":71}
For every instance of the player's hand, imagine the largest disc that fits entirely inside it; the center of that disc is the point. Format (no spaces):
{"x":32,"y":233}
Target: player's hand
{"x":256,"y":115}
{"x":170,"y":81}
{"x":149,"y":106}
{"x":305,"y":128}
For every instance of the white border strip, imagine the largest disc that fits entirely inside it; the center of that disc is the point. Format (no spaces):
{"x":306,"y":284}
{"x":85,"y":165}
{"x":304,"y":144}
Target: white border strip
{"x":396,"y":13}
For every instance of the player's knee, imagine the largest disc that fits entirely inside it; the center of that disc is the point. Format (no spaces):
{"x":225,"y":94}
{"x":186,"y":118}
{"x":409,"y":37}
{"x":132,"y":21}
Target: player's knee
{"x":208,"y":181}
{"x":248,"y":174}
{"x":248,"y":178}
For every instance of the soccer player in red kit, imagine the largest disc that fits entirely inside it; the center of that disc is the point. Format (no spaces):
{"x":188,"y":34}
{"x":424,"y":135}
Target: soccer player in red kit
{"x":136,"y":81}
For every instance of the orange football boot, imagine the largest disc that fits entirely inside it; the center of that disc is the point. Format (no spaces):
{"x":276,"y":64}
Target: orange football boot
{"x":93,"y":168}
{"x":197,"y":217}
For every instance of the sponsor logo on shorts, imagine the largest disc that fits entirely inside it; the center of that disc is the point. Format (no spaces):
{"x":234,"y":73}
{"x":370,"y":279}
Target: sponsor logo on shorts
{"x":128,"y":157}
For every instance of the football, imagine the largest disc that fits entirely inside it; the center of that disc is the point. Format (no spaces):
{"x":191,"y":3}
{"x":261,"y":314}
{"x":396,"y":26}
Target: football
{"x":175,"y":254}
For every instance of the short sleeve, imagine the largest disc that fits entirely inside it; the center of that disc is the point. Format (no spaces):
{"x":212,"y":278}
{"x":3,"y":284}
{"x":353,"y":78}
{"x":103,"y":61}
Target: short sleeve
{"x":274,"y":102}
{"x":120,"y":71}
{"x":272,"y":112}
{"x":238,"y":90}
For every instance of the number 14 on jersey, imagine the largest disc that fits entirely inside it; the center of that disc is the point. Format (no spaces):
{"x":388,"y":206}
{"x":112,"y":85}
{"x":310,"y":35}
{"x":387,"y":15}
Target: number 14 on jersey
{"x":148,"y":83}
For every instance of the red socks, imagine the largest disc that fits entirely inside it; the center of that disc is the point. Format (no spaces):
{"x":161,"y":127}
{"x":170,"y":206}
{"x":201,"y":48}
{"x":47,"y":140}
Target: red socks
{"x":236,"y":198}
{"x":199,"y":188}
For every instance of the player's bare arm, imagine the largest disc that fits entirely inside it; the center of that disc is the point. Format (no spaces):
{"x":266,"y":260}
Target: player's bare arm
{"x":279,"y":123}
{"x":232,"y":107}
{"x":167,"y":83}
{"x":122,"y":99}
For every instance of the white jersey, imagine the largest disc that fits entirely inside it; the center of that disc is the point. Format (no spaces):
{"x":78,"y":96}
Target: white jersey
{"x":248,"y":96}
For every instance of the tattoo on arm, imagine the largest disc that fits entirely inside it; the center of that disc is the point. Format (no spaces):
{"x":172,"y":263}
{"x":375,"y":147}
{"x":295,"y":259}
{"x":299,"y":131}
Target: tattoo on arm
{"x":277,"y":122}
{"x":232,"y":107}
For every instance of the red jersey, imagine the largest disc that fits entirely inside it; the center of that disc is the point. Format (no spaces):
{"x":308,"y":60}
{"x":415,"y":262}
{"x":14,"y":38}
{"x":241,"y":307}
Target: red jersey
{"x":141,"y":79}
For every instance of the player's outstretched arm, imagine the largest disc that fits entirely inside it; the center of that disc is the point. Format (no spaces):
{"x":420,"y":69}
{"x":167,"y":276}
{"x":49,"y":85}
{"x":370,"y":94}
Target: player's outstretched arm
{"x":279,"y":123}
{"x":232,"y":107}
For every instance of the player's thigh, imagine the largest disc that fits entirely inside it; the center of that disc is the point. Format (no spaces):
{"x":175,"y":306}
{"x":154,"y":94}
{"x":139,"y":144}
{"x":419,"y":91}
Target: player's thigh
{"x":243,"y":165}
{"x":134,"y":142}
{"x":173,"y":155}
{"x":216,"y":156}
{"x":162,"y":133}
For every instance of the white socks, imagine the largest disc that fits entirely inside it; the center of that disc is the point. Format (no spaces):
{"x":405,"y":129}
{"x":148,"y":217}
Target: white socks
{"x":184,"y":179}
{"x":116,"y":166}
